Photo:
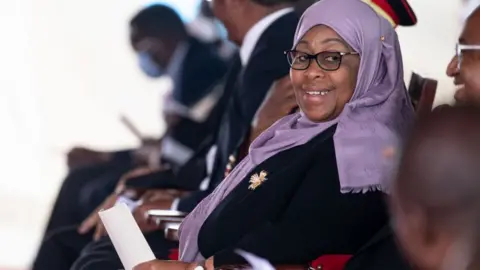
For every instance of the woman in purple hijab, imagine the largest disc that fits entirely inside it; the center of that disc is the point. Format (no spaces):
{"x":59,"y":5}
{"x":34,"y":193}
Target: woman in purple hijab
{"x":313,"y":183}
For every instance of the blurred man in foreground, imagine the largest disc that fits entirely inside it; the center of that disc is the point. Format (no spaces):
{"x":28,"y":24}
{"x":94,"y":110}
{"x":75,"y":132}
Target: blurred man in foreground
{"x":435,"y":201}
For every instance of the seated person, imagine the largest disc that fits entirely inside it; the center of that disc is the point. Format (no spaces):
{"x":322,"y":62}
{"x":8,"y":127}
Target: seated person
{"x":101,"y":254}
{"x":171,"y":51}
{"x":435,"y":201}
{"x":319,"y":173}
{"x":249,"y":80}
{"x":466,"y":63}
{"x":194,"y":69}
{"x":383,"y":252}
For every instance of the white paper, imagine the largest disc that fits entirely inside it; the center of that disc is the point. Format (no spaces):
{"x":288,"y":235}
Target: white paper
{"x":255,"y":262}
{"x":126,"y":236}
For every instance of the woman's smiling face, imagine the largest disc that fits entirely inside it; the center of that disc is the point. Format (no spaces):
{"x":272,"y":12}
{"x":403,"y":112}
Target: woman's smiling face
{"x":322,"y":94}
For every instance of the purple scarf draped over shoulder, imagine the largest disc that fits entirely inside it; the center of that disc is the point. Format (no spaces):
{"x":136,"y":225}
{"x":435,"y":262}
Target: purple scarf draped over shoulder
{"x":377,"y":116}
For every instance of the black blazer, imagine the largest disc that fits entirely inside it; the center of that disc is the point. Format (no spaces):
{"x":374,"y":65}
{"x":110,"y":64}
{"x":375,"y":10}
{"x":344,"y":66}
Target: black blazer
{"x":297,"y":214}
{"x":267,"y":64}
{"x":201,"y":70}
{"x":189,"y":176}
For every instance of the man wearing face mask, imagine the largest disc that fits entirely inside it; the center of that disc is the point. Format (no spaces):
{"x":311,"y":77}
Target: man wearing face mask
{"x":262,"y":29}
{"x":164,"y":47}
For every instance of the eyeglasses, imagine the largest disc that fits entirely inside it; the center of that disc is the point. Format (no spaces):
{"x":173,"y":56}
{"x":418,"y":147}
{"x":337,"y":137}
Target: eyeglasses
{"x":459,"y":48}
{"x":328,"y":61}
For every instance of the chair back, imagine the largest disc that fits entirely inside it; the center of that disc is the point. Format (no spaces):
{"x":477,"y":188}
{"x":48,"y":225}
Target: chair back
{"x":422,"y":93}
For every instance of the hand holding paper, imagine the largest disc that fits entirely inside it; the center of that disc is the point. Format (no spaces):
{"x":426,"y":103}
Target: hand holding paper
{"x":256,"y":263}
{"x":128,"y":240}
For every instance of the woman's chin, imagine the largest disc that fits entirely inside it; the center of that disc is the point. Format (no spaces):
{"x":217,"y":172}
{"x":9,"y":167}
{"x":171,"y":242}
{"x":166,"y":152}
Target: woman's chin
{"x":318,"y":116}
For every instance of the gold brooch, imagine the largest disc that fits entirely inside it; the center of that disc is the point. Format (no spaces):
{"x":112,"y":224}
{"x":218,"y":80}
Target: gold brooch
{"x":257,"y":179}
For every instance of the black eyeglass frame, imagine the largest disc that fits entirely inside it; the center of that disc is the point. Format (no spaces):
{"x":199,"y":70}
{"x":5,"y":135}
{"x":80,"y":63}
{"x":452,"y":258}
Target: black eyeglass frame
{"x":315,"y":56}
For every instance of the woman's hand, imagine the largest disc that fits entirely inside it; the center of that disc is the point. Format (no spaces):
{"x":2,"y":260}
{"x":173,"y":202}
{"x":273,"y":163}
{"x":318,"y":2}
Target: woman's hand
{"x":141,"y":216}
{"x":172,"y":265}
{"x":94,"y":219}
{"x":279,"y":102}
{"x":164,"y":265}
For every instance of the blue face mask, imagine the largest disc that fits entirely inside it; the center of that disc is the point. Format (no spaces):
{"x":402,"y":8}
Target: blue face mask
{"x":148,"y":65}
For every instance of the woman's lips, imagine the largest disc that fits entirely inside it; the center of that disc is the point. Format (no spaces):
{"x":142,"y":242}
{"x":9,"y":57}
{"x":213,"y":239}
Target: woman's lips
{"x":316,"y":93}
{"x":316,"y":96}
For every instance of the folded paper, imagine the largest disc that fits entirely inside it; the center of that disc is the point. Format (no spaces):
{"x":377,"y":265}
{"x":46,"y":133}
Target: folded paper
{"x":126,"y":236}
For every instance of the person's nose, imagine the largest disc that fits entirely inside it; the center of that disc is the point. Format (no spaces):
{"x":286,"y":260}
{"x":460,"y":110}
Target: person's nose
{"x":452,"y":68}
{"x":314,"y":71}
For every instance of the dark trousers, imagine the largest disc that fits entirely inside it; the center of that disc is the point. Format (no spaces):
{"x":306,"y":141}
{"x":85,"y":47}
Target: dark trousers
{"x":101,"y":255}
{"x":60,"y":248}
{"x":64,"y":249}
{"x":81,"y":193}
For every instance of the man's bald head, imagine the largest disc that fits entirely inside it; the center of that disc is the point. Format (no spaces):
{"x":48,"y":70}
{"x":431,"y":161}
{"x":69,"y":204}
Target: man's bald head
{"x":436,"y":196}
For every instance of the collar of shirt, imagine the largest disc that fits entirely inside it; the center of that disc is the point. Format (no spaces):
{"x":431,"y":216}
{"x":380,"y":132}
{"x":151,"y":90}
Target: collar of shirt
{"x":256,"y":31}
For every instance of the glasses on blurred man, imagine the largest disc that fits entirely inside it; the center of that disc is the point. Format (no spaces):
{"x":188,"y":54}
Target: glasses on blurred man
{"x":460,"y":48}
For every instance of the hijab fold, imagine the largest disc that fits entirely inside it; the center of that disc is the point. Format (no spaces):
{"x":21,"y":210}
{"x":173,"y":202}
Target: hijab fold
{"x":377,"y":117}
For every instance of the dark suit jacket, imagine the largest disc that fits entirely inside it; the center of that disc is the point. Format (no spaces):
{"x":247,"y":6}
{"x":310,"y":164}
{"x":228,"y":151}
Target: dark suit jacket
{"x":189,"y":176}
{"x":267,"y":64}
{"x":201,"y":70}
{"x":381,"y":252}
{"x":295,"y":216}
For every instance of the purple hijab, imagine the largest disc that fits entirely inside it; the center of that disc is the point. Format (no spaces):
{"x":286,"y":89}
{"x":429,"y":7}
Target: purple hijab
{"x":377,"y":116}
